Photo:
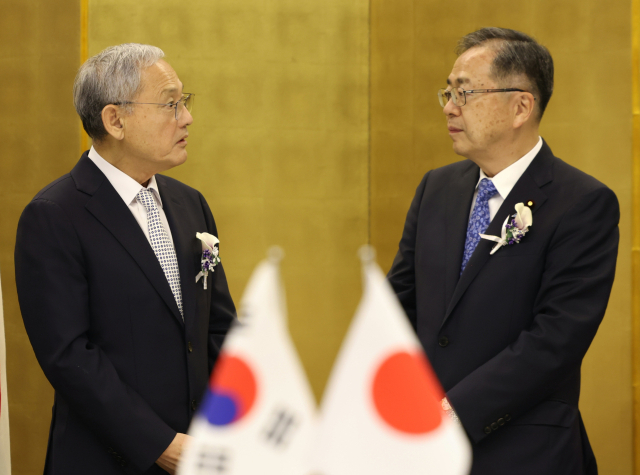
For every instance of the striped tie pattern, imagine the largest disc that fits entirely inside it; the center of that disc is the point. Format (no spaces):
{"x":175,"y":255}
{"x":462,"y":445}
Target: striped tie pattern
{"x":161,"y":245}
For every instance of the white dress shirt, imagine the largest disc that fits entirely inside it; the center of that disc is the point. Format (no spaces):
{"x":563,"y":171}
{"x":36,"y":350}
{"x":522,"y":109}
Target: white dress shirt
{"x":128,"y":189}
{"x":506,"y":180}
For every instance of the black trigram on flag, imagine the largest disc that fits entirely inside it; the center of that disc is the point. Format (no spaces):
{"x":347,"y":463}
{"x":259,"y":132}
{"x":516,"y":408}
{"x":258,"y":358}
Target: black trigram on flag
{"x":212,"y":460}
{"x":282,"y":424}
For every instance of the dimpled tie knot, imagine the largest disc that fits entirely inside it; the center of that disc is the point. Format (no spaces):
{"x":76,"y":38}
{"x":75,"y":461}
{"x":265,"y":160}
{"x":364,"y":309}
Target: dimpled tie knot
{"x":161,"y":245}
{"x":480,"y":219}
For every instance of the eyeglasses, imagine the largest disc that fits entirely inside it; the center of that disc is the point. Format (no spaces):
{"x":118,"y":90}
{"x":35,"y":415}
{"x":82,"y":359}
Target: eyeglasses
{"x":186,"y":102}
{"x":459,"y":95}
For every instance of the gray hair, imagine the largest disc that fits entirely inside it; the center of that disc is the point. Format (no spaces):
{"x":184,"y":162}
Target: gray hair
{"x":110,"y":77}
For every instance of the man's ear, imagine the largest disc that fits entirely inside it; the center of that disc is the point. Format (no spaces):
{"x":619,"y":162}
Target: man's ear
{"x":113,"y":122}
{"x":524,"y":109}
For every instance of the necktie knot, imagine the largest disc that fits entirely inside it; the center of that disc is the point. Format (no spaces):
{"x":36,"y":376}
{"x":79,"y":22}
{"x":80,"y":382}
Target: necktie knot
{"x":486,"y":189}
{"x":146,"y":199}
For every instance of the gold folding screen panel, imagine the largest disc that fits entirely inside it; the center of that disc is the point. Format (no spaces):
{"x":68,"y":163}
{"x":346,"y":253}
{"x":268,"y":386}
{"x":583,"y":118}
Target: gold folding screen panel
{"x":635,"y":221}
{"x":39,"y":55}
{"x":314,"y":121}
{"x":587,"y":124}
{"x":279,"y":142}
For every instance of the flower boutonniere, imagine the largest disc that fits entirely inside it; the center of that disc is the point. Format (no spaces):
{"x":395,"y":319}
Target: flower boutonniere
{"x":210,"y":257}
{"x":513,"y":229}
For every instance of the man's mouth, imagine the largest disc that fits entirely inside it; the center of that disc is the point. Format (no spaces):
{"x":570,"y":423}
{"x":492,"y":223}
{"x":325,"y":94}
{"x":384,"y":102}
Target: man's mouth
{"x":183,"y":140}
{"x":453,"y":130}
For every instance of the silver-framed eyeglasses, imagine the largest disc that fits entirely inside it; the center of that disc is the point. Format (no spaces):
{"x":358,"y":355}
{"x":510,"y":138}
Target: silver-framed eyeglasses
{"x":185,"y":102}
{"x":459,"y":95}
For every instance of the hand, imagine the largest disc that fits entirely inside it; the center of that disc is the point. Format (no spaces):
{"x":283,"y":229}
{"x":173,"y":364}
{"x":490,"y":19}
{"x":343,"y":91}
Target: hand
{"x":446,"y":407}
{"x":169,"y":459}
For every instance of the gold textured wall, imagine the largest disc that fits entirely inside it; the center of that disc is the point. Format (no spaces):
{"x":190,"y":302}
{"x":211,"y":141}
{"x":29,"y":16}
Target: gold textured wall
{"x":587,"y":123}
{"x":39,"y":55}
{"x":635,"y":232}
{"x":279,"y":143}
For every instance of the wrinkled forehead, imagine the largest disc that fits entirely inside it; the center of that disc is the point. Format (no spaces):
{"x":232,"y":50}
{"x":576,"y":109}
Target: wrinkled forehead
{"x":160,"y":81}
{"x":473,"y":68}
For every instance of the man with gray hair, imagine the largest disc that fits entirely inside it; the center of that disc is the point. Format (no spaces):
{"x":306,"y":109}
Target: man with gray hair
{"x":506,"y":263}
{"x":106,"y":262}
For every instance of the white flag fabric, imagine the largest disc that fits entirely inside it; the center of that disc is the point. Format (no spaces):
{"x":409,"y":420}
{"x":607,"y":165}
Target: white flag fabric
{"x":381,"y":412}
{"x":258,"y":415}
{"x":5,"y":448}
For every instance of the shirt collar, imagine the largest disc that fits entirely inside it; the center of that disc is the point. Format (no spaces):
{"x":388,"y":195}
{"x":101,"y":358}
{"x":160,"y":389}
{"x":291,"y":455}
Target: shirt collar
{"x":126,"y":186}
{"x":507,"y":178}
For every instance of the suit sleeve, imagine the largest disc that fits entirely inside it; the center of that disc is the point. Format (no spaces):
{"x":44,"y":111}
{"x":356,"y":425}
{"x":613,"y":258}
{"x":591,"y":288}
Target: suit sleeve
{"x":570,"y":304}
{"x":402,"y":274}
{"x":223,"y":311}
{"x":53,"y":293}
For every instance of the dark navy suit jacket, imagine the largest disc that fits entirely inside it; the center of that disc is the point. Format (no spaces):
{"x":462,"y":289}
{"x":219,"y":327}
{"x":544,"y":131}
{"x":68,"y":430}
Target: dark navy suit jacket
{"x":507,"y":337}
{"x":128,"y":372}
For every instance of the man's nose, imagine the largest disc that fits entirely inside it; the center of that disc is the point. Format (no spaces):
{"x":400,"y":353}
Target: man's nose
{"x":450,"y":108}
{"x":185,"y":118}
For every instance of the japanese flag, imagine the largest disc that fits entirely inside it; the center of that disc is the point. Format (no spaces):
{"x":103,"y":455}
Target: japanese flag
{"x":381,"y":412}
{"x":258,"y":415}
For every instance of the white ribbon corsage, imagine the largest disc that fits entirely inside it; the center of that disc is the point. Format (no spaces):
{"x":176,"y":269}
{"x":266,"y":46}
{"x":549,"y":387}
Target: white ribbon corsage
{"x":210,"y":257}
{"x":513,"y":229}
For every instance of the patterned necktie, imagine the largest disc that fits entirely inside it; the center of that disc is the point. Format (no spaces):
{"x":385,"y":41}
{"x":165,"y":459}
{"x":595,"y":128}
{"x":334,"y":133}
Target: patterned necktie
{"x":480,"y":219}
{"x":161,"y":245}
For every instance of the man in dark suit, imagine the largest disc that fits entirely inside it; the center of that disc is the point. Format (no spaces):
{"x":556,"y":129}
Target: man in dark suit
{"x":506,"y":332}
{"x":106,"y":263}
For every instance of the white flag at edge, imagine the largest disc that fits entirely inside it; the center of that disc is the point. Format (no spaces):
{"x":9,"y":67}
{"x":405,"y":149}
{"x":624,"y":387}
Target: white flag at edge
{"x":5,"y":446}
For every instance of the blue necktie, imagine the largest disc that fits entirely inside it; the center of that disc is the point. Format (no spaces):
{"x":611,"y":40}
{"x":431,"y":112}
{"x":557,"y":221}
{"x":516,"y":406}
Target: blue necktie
{"x":480,"y":219}
{"x":161,"y":245}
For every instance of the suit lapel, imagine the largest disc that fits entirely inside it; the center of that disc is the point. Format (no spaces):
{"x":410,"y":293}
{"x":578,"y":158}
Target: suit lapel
{"x":108,"y":208}
{"x":526,"y":188}
{"x":459,"y":198}
{"x":185,"y":243}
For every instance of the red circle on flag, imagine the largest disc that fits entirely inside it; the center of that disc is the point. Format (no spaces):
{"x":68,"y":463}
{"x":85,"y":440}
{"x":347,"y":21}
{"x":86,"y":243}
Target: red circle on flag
{"x":233,"y":377}
{"x":407,"y":394}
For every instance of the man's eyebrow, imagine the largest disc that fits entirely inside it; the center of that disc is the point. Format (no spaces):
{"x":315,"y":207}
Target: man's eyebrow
{"x":459,"y":81}
{"x":169,"y":91}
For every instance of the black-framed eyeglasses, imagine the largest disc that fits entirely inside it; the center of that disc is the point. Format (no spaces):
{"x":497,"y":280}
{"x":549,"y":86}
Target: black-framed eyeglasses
{"x":459,"y":95}
{"x":185,"y":102}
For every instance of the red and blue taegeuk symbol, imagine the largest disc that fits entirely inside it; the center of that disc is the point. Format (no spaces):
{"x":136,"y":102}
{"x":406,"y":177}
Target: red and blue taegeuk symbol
{"x":231,"y":393}
{"x":406,"y":393}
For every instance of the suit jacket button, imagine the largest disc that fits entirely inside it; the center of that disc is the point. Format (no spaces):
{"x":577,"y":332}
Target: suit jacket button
{"x":494,"y":426}
{"x":193,"y":404}
{"x":507,"y":418}
{"x":487,"y":430}
{"x":501,"y":421}
{"x":443,"y":341}
{"x":189,"y":347}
